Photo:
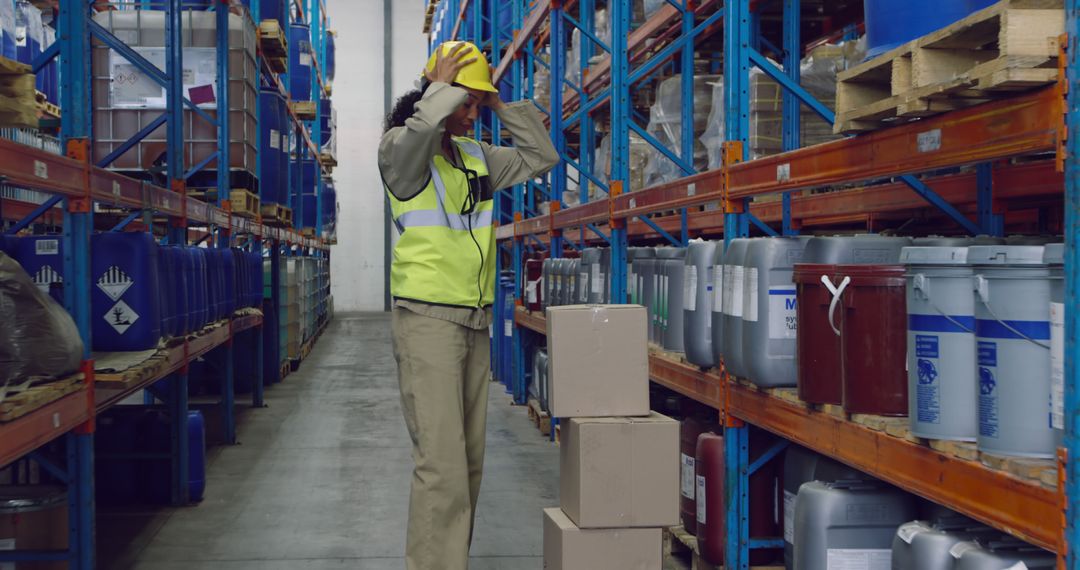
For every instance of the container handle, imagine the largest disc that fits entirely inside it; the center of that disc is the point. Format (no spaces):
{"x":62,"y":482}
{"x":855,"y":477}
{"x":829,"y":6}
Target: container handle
{"x":836,"y":293}
{"x":920,"y":283}
{"x":982,"y":287}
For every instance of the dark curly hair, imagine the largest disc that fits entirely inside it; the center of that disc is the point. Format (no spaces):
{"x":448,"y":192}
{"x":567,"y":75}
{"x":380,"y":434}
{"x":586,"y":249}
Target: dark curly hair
{"x":404,"y":108}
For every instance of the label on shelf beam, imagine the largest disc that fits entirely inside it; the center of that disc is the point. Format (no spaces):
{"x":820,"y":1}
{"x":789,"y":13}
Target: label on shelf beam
{"x":691,"y":189}
{"x":783,"y":172}
{"x":929,"y":141}
{"x":41,"y":170}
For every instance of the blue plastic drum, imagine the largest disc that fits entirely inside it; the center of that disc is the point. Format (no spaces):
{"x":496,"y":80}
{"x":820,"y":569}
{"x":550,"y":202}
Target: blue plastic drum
{"x":300,"y":62}
{"x":125,"y":305}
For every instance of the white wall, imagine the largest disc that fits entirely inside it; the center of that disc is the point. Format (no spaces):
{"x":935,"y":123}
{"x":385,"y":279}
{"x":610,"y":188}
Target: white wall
{"x":357,"y":260}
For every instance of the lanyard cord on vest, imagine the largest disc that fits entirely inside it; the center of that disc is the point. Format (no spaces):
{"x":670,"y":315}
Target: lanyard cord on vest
{"x":472,"y":198}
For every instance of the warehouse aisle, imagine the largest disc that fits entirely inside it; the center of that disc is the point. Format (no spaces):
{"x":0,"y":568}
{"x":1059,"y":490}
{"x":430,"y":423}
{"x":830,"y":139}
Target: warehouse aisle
{"x":321,"y":477}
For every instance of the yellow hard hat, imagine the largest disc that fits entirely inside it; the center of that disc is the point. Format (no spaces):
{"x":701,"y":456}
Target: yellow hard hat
{"x":476,"y":75}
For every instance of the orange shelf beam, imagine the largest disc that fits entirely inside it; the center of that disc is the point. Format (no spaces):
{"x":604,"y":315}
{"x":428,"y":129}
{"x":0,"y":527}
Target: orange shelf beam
{"x":23,"y":435}
{"x":28,"y":167}
{"x":1021,"y":508}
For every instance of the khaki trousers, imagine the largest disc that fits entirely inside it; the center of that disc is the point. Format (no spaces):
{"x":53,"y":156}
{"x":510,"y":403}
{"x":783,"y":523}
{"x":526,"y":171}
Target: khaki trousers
{"x":443,"y":371}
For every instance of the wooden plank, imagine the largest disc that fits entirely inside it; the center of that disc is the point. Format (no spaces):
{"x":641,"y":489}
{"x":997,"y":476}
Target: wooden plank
{"x":31,"y":399}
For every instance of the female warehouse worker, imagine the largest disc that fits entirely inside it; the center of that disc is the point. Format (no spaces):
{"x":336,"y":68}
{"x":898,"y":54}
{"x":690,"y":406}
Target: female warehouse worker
{"x":440,"y":186}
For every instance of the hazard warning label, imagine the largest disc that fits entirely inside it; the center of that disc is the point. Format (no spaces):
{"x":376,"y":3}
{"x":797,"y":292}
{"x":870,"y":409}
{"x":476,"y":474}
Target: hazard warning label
{"x":114,"y":282}
{"x":120,"y":317}
{"x":45,"y":277}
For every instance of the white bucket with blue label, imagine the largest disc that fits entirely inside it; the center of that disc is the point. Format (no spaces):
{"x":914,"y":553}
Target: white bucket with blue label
{"x":941,"y":343}
{"x":1012,"y":330}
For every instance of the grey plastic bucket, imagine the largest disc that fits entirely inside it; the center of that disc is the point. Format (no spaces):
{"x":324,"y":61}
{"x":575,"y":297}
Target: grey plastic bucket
{"x":589,"y":276}
{"x":734,"y":284}
{"x":718,"y":317}
{"x":941,"y":356}
{"x":861,"y":248}
{"x":769,"y":325}
{"x":578,"y":285}
{"x":646,"y":278}
{"x":698,"y":302}
{"x":1012,"y":329}
{"x":848,"y":524}
{"x":547,"y":282}
{"x":602,"y":286}
{"x":926,"y":545}
{"x":802,"y":466}
{"x":1054,"y":257}
{"x":1005,"y":554}
{"x":671,"y":269}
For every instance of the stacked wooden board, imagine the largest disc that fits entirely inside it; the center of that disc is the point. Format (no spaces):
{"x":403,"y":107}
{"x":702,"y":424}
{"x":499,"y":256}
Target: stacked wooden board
{"x":995,"y":52}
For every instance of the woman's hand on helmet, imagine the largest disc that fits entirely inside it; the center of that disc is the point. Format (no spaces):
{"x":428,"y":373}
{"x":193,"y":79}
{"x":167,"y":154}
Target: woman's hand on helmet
{"x":447,"y":67}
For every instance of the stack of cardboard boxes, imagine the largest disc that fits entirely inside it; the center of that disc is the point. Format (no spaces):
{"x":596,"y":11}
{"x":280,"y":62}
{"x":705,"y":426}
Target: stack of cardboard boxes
{"x":619,"y":463}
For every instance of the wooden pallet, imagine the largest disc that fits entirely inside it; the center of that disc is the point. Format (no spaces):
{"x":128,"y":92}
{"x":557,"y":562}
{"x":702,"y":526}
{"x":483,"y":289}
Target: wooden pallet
{"x":539,"y":418}
{"x":681,"y":551}
{"x":304,"y":110}
{"x":46,"y":110}
{"x":272,"y":39}
{"x":276,"y":215}
{"x":959,"y":449}
{"x":17,"y":405}
{"x":244,"y":204}
{"x":1027,"y":469}
{"x":328,"y":160}
{"x":18,"y":95}
{"x":1008,"y":47}
{"x":134,"y":375}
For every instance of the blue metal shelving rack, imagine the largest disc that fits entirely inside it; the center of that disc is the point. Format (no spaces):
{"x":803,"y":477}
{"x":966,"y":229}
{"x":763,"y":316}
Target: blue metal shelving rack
{"x":77,"y":184}
{"x":608,"y":84}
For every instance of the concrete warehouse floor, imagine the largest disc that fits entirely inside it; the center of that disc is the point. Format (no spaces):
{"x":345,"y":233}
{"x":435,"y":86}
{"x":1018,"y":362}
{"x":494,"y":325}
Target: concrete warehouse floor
{"x":321,"y":477}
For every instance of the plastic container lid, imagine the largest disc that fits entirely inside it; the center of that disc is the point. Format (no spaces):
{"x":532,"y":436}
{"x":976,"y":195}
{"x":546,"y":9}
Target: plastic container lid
{"x":671,"y":252}
{"x":1005,"y":255}
{"x":1054,"y":254}
{"x":1029,"y":240}
{"x":27,"y":499}
{"x":934,"y":255}
{"x":640,"y":253}
{"x":941,"y":241}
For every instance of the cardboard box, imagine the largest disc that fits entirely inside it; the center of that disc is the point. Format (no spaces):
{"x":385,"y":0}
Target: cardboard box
{"x":620,"y":472}
{"x":567,"y":547}
{"x":599,"y":361}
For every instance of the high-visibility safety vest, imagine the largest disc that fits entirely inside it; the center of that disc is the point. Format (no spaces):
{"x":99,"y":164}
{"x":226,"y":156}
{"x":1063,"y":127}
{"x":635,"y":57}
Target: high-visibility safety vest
{"x":444,"y":256}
